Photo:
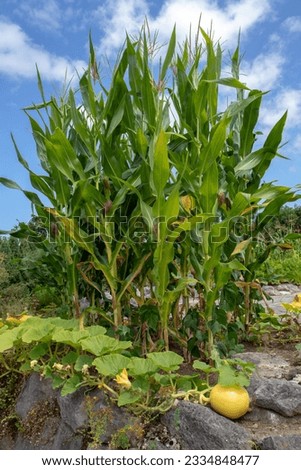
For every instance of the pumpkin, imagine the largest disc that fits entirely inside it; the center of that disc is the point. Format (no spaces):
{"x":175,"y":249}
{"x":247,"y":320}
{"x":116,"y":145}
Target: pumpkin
{"x":231,"y":402}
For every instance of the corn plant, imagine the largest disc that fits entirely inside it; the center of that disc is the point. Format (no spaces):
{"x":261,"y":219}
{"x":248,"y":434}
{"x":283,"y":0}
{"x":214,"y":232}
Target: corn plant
{"x":150,"y":183}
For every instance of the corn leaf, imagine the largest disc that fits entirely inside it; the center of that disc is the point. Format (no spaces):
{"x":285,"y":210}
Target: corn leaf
{"x":160,"y":164}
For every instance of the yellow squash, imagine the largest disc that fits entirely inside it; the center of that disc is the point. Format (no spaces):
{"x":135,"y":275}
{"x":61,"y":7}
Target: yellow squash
{"x":231,"y":402}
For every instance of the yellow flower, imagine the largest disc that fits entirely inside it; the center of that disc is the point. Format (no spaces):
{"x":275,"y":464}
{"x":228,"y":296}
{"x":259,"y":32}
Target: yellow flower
{"x":24,"y":318}
{"x":295,"y":305}
{"x":123,"y":379}
{"x":12,"y":320}
{"x":16,"y":320}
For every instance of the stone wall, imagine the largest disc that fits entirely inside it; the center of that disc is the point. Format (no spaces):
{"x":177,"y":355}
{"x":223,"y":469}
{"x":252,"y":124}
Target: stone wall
{"x":86,"y":419}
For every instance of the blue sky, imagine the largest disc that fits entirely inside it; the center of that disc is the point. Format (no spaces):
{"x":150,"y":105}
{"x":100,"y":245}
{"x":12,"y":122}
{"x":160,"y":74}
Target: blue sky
{"x":54,"y":35}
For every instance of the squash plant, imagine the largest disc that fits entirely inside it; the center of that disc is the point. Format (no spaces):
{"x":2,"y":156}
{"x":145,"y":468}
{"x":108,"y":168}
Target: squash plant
{"x":72,"y":357}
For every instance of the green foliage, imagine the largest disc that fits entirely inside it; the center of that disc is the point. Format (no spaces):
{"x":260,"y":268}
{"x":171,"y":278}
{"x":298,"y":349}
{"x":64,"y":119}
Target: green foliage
{"x":127,"y":436}
{"x":98,"y":422}
{"x":154,"y":195}
{"x":235,"y":373}
{"x":29,"y":280}
{"x":4,"y":275}
{"x":73,"y":357}
{"x":14,"y":284}
{"x":283,"y":264}
{"x":231,"y":372}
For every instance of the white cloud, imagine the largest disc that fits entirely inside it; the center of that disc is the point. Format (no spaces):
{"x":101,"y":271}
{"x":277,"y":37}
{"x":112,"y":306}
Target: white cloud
{"x":128,"y":15}
{"x":293,"y":24}
{"x":47,"y":15}
{"x":54,"y":16}
{"x":287,"y":99}
{"x":19,"y":57}
{"x":264,"y":71}
{"x":226,"y":22}
{"x":117,"y":18}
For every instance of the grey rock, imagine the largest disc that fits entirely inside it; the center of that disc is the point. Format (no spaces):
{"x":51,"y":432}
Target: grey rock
{"x":53,"y":422}
{"x":73,"y":409}
{"x":281,"y":293}
{"x":37,"y":408}
{"x":38,"y":434}
{"x":286,"y":289}
{"x":281,"y":443}
{"x":255,"y":382}
{"x":296,"y":376}
{"x":267,"y":365}
{"x":100,"y":415}
{"x":264,"y":416}
{"x":278,"y":395}
{"x":67,"y":439}
{"x":199,"y":427}
{"x":35,"y":390}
